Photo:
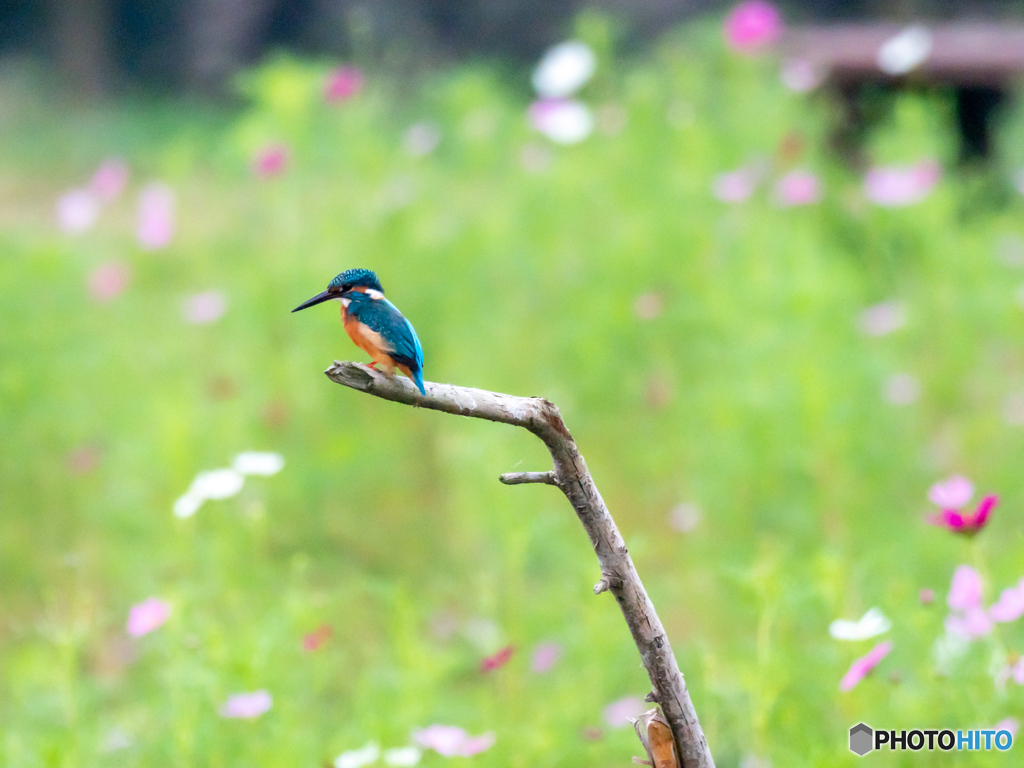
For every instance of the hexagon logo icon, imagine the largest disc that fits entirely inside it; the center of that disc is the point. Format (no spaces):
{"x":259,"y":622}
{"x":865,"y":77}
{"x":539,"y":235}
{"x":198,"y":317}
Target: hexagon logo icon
{"x":861,"y":739}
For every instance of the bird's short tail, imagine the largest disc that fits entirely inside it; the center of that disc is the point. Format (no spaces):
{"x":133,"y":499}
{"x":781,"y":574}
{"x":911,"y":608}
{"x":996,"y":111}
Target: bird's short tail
{"x":417,"y":377}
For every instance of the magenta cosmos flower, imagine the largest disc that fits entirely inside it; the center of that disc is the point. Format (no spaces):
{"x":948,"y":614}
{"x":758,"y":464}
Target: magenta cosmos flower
{"x":752,"y":26}
{"x":862,"y":666}
{"x":342,"y":84}
{"x":146,"y":616}
{"x":247,"y":705}
{"x":967,"y":523}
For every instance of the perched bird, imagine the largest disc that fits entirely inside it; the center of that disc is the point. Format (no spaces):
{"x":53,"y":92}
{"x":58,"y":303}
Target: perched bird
{"x":374,"y":323}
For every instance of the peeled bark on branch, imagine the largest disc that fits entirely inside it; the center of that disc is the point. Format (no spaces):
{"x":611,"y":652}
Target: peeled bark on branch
{"x":570,"y":474}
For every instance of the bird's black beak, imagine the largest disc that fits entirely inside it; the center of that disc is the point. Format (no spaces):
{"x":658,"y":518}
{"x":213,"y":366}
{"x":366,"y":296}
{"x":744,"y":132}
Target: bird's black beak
{"x":320,"y":297}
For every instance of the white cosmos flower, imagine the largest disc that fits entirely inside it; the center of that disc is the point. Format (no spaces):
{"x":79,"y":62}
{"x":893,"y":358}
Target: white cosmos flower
{"x":218,"y":484}
{"x":905,"y":51}
{"x":77,"y":210}
{"x":188,"y":505}
{"x":357,"y":758}
{"x":257,"y":463}
{"x":564,"y":69}
{"x":871,"y":623}
{"x":402,"y":756}
{"x":562,"y":121}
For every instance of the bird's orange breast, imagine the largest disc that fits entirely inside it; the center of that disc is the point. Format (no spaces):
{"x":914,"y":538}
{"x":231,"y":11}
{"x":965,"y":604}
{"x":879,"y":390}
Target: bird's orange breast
{"x":368,"y":340}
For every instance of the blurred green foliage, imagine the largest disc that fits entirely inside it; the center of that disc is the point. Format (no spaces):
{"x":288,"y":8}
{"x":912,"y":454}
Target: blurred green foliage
{"x":751,"y":394}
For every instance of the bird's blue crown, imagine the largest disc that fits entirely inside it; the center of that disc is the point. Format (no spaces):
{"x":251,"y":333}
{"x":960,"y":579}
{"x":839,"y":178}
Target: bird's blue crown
{"x":356,"y":278}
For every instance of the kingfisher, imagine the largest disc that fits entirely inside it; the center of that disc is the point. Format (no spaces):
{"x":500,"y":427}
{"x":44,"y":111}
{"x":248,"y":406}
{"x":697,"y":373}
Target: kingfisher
{"x":374,"y":324}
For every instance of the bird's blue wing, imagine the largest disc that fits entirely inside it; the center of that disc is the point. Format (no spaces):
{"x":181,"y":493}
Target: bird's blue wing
{"x":382,"y":316}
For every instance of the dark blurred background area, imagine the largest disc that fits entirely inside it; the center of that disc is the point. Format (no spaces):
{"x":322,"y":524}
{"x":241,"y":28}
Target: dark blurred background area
{"x":104,"y":46}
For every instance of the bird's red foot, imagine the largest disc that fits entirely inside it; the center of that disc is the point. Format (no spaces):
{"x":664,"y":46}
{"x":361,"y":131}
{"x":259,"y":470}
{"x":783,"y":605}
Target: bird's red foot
{"x":373,"y":365}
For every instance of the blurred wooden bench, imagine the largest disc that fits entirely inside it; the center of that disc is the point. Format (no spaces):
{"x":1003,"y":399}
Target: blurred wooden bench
{"x":980,"y":61}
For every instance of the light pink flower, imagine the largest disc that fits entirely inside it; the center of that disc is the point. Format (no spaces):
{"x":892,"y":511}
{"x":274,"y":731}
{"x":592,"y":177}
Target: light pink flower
{"x":953,"y":492}
{"x":272,"y":160}
{"x":965,"y":591}
{"x":901,"y":389}
{"x":967,"y":523}
{"x":545,"y":656}
{"x":564,"y":121}
{"x":203,"y":308}
{"x":451,"y":741}
{"x":801,"y":76}
{"x":317,"y":637}
{"x":797,"y":188}
{"x":926,"y":596}
{"x":1009,"y":724}
{"x":975,"y":622}
{"x":108,"y":280}
{"x":1010,"y":605}
{"x":77,"y":211}
{"x":752,"y":25}
{"x":884,"y":318}
{"x":621,"y":711}
{"x":110,"y":179}
{"x":735,"y":186}
{"x":896,"y":186}
{"x":247,"y":705}
{"x":342,"y":84}
{"x":156,"y":216}
{"x":146,"y":616}
{"x":862,"y":666}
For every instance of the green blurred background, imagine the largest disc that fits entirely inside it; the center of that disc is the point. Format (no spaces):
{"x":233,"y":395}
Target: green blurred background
{"x":709,"y":358}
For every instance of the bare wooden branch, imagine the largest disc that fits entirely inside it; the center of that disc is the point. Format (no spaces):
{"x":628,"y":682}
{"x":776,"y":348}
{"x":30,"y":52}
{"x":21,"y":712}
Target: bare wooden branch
{"x":571,"y":476}
{"x":518,"y":478}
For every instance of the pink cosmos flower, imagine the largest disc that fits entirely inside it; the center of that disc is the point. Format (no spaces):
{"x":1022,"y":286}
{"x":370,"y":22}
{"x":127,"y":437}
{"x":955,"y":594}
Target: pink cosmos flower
{"x":545,"y":657}
{"x":270,"y":161}
{"x":953,"y":492}
{"x":969,"y":618}
{"x":884,"y":318}
{"x":926,"y":596}
{"x":735,"y":186}
{"x":752,"y":25}
{"x":107,"y":281}
{"x":797,"y":188}
{"x":497,"y":660}
{"x":204,"y":308}
{"x":965,"y":591}
{"x":967,"y":523}
{"x":317,"y":637}
{"x":110,"y":179}
{"x":862,"y":666}
{"x":146,"y":616}
{"x":621,"y":711}
{"x":1010,"y":605}
{"x":342,"y":84}
{"x":156,"y":216}
{"x":77,"y":211}
{"x":451,"y":741}
{"x":975,"y":622}
{"x":801,"y":76}
{"x":896,"y":186}
{"x":246,"y":705}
